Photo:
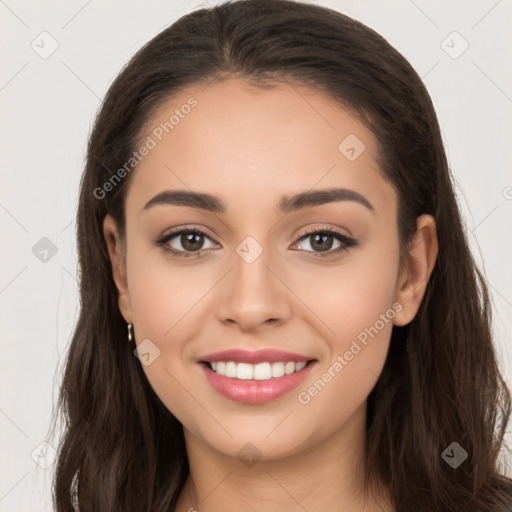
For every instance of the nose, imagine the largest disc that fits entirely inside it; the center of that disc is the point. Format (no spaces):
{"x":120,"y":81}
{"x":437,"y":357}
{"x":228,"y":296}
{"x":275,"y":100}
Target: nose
{"x":254,"y":295}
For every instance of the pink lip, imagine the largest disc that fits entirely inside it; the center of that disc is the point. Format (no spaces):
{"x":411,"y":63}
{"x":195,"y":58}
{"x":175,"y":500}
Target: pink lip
{"x":255,"y":391}
{"x":254,"y":356}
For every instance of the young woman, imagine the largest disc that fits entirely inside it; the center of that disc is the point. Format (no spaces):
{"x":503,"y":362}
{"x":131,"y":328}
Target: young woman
{"x":279,"y":309}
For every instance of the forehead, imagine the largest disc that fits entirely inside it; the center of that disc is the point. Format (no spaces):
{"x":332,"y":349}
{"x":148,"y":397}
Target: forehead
{"x":246,"y":143}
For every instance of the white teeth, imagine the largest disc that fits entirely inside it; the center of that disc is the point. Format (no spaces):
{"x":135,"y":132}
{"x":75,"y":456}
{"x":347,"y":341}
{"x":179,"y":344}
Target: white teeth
{"x":289,"y":368}
{"x":277,"y":369}
{"x":230,"y":369}
{"x":260,"y":371}
{"x":263,"y":371}
{"x":244,"y":371}
{"x":300,"y":365}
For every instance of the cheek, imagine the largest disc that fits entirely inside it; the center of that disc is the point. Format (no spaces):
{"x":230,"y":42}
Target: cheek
{"x":164,"y":300}
{"x":357,"y":306}
{"x":351,"y":297}
{"x":167,"y":301}
{"x":164,"y":295}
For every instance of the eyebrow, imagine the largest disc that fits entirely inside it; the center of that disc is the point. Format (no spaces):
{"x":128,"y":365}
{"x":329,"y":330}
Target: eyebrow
{"x":299,"y":201}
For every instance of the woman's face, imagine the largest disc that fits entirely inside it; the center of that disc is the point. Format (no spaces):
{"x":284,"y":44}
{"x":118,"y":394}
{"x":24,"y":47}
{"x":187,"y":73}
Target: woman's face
{"x":256,"y":280}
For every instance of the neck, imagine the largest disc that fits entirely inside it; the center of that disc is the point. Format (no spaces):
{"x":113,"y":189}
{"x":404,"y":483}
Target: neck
{"x":327,"y":476}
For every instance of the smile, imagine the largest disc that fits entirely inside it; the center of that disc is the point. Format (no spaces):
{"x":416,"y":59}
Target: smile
{"x":260,"y":371}
{"x":255,"y":377}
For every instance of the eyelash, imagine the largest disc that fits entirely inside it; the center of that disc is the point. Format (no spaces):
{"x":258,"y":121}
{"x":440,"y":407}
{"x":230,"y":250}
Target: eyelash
{"x":346,"y":241}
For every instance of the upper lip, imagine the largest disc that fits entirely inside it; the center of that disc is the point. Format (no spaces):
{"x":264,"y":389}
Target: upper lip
{"x":254,"y":356}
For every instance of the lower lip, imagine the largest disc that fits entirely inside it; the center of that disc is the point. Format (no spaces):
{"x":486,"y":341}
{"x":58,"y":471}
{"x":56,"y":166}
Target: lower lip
{"x":255,"y":391}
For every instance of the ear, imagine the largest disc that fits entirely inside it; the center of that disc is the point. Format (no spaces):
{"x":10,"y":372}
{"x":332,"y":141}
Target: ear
{"x":413,"y":277}
{"x":116,"y":250}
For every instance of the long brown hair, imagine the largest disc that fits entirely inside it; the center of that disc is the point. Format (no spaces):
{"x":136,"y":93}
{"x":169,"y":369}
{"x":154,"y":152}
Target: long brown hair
{"x":446,"y":387}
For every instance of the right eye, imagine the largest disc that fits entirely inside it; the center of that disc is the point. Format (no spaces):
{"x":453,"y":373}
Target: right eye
{"x":190,"y":240}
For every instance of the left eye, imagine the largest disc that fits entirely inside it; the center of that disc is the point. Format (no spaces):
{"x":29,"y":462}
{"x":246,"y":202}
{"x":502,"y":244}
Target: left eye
{"x":321,"y":241}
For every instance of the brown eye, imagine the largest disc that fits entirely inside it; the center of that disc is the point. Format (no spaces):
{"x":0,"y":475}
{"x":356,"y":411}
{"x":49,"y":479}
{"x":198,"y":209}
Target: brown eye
{"x":191,"y":241}
{"x":185,"y":242}
{"x":321,"y":241}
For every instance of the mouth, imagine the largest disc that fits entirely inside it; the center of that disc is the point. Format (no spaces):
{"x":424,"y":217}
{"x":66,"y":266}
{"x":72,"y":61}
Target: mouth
{"x":256,"y":383}
{"x":262,"y":371}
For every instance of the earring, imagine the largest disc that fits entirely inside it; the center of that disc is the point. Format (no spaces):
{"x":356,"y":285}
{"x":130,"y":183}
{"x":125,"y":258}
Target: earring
{"x":130,"y":332}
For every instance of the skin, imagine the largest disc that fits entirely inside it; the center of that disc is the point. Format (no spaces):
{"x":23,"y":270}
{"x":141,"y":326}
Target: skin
{"x":252,"y":147}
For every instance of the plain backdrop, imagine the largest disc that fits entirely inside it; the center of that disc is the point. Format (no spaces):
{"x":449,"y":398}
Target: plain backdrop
{"x":47,"y":106}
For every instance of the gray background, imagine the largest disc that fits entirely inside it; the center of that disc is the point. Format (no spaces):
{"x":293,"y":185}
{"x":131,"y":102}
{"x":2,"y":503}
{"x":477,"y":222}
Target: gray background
{"x":47,"y":106}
